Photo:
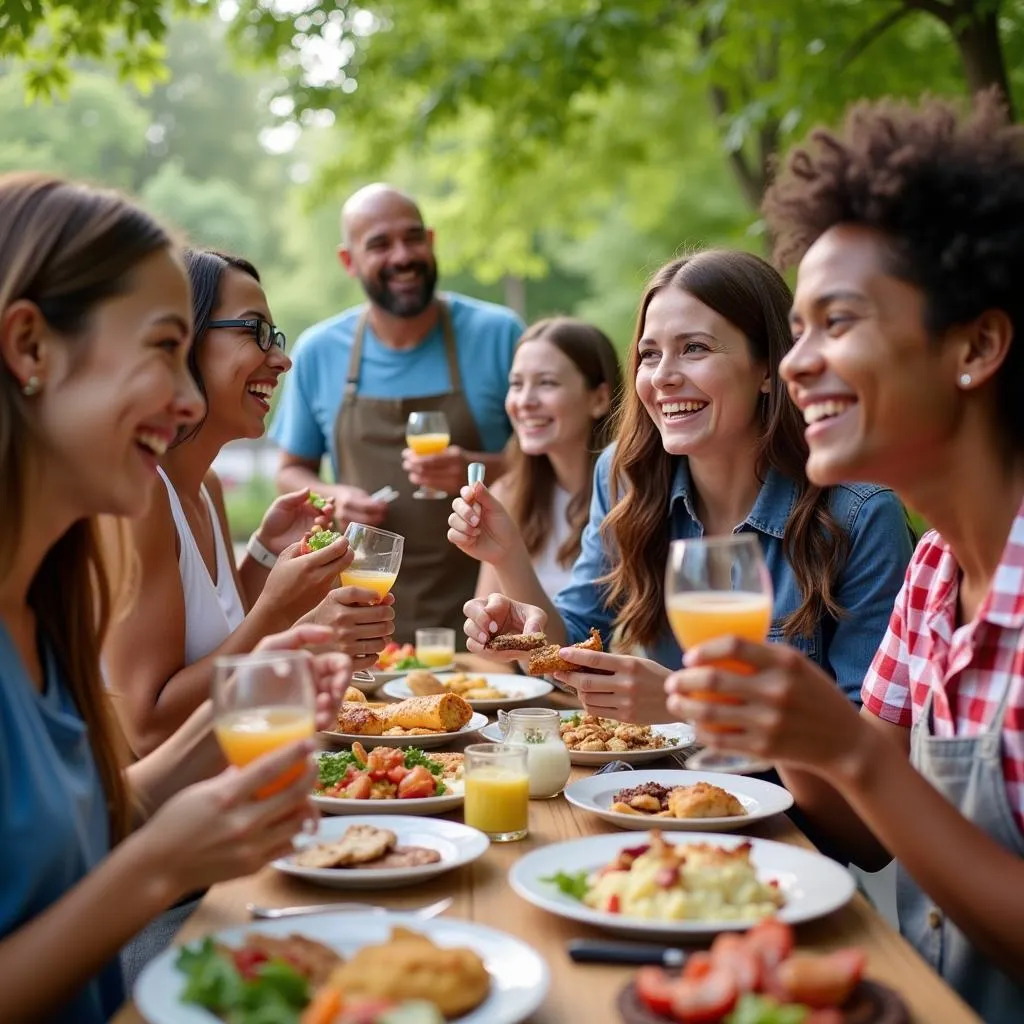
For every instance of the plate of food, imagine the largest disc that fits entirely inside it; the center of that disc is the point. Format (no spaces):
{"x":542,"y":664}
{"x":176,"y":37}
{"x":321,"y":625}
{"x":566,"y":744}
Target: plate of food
{"x":388,"y":780}
{"x":343,"y":967}
{"x":596,"y":741}
{"x":678,"y":801}
{"x":483,"y":691}
{"x":761,"y":976}
{"x":397,"y":660}
{"x":382,"y":851}
{"x":417,"y":722}
{"x":700,"y":885}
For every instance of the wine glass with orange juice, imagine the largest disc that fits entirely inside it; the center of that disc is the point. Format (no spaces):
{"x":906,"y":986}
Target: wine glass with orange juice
{"x":377,"y":557}
{"x":715,"y":587}
{"x":427,"y":433}
{"x":261,"y":702}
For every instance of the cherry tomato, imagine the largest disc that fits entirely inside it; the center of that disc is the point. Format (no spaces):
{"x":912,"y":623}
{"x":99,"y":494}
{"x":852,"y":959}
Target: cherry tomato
{"x":772,"y":940}
{"x":417,"y":784}
{"x":698,"y":965}
{"x":706,"y":1000}
{"x":248,"y":961}
{"x":359,"y":788}
{"x":733,"y":954}
{"x":654,"y":988}
{"x":614,"y":904}
{"x":821,"y":980}
{"x":398,"y":773}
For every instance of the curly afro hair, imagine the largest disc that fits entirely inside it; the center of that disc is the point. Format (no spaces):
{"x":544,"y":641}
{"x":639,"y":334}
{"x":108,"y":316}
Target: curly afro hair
{"x":946,"y":191}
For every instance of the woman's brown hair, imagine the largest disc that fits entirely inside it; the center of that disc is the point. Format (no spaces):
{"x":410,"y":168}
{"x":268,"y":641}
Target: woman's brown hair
{"x":754,"y":298}
{"x":66,"y":248}
{"x":530,"y":479}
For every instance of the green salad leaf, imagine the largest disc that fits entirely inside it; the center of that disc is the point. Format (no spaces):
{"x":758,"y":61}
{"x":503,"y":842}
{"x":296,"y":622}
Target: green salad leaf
{"x":752,"y":1009}
{"x":334,"y":766}
{"x":415,"y":756}
{"x":575,"y":885}
{"x":408,"y":663}
{"x":321,"y":538}
{"x":317,"y":500}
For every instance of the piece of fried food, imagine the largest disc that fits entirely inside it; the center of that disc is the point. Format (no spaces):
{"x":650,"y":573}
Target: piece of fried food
{"x":545,"y":660}
{"x":516,"y":642}
{"x":440,"y":712}
{"x":359,"y":845}
{"x":410,"y":966}
{"x":358,"y":719}
{"x":354,"y":696}
{"x":423,"y":684}
{"x":703,"y":800}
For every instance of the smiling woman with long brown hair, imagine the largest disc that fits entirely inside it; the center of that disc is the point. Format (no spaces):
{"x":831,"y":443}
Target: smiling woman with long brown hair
{"x":708,"y":444}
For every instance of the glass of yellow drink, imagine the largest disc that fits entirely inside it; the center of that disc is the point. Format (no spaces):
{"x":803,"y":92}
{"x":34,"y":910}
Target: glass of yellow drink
{"x":427,"y":433}
{"x":261,"y":702}
{"x":497,"y":787}
{"x":715,"y":587}
{"x":435,"y":647}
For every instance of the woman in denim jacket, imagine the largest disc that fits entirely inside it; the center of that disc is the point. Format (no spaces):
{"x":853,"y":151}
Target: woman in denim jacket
{"x":708,"y":444}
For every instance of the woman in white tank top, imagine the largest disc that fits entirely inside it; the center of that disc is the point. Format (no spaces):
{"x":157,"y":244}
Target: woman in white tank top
{"x":562,"y":389}
{"x":192,"y":602}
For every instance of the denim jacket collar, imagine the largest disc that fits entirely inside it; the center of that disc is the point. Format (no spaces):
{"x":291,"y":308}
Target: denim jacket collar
{"x":771,"y":511}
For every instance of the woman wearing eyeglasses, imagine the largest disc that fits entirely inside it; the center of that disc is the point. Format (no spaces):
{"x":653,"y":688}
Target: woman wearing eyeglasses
{"x":192,"y":601}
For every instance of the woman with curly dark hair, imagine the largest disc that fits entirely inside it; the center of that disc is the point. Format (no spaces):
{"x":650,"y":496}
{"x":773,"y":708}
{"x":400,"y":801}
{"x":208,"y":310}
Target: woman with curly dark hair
{"x":909,"y":231}
{"x":708,"y":443}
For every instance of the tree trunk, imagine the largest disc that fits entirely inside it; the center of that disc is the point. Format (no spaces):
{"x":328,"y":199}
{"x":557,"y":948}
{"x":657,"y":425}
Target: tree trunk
{"x":981,"y":51}
{"x":515,"y":294}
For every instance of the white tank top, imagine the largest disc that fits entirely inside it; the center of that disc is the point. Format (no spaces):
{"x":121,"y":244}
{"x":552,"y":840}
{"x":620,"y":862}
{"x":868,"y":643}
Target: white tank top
{"x":212,"y":612}
{"x":553,"y":576}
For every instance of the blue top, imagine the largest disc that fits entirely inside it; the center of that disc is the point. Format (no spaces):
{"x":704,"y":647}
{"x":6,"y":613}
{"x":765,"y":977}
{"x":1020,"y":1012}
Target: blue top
{"x":880,"y":548}
{"x":55,"y":826}
{"x":485,"y":340}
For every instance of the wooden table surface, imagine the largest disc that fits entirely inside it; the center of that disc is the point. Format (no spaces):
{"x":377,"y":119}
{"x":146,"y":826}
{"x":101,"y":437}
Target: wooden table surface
{"x":581,"y":992}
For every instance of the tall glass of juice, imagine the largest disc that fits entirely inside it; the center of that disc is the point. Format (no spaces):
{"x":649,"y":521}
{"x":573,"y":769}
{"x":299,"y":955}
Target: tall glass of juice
{"x":261,"y":702}
{"x":497,"y":785}
{"x":427,"y":433}
{"x":714,"y":587}
{"x":435,"y":648}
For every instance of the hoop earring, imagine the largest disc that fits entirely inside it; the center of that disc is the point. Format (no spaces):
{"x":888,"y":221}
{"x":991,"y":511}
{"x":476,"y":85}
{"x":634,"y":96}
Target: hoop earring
{"x":965,"y":380}
{"x":32,"y":386}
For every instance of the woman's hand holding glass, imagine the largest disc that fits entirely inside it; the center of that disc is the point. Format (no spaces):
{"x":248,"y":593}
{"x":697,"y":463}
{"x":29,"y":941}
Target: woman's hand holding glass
{"x":496,"y":615}
{"x":290,"y":517}
{"x":481,"y":527}
{"x":360,"y":620}
{"x":618,"y":686}
{"x":783,"y":708}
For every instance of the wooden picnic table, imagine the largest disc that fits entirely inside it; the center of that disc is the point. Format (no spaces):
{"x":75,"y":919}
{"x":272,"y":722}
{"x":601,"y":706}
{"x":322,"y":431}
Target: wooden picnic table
{"x":581,"y":992}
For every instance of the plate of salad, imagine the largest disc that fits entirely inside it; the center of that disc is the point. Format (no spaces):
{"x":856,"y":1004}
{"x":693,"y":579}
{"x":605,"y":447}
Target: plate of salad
{"x":388,"y":780}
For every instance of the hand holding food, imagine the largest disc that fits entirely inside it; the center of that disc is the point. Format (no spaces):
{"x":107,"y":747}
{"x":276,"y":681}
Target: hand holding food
{"x":547,"y":660}
{"x":290,"y":516}
{"x":487,"y":619}
{"x":618,"y":686}
{"x":786,"y":710}
{"x":481,"y":527}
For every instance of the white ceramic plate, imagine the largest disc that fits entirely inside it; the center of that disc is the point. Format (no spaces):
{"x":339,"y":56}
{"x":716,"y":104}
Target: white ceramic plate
{"x":449,"y":801}
{"x":760,"y":799}
{"x":680,"y":735}
{"x":435,"y":739}
{"x":457,"y":844}
{"x":519,"y":977}
{"x":517,"y":689}
{"x":813,"y":884}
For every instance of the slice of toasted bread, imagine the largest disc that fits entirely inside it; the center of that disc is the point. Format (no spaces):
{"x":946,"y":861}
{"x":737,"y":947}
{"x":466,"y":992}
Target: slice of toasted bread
{"x":545,"y":661}
{"x":516,"y":642}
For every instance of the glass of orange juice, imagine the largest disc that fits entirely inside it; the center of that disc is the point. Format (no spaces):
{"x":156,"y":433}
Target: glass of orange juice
{"x":497,"y":788}
{"x":714,"y":587}
{"x":261,"y":702}
{"x":427,"y":433}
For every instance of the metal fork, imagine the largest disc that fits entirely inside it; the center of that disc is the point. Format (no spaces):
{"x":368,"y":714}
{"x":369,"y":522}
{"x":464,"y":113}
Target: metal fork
{"x":268,"y":913}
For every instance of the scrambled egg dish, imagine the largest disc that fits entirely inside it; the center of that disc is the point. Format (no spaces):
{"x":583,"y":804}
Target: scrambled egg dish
{"x":696,"y":881}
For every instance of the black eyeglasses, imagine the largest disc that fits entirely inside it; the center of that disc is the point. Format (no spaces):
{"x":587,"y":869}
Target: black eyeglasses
{"x":265,"y":334}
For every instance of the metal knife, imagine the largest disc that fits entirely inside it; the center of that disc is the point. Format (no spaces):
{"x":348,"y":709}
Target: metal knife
{"x":600,"y":951}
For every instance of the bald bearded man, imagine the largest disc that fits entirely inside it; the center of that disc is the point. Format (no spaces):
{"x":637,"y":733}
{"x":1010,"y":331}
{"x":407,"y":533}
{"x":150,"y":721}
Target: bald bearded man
{"x":358,"y":375}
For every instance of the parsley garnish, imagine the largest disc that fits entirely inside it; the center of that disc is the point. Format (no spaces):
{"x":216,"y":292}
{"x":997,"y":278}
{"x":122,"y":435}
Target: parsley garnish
{"x":576,"y":885}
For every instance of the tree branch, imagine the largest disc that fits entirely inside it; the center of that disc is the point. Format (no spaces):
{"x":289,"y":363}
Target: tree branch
{"x":864,"y":41}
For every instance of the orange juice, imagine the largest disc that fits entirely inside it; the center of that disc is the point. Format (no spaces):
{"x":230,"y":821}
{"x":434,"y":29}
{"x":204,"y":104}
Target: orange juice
{"x":497,"y":800}
{"x":427,"y":444}
{"x":249,"y":734}
{"x":700,"y":616}
{"x":435,"y":657}
{"x":370,"y":579}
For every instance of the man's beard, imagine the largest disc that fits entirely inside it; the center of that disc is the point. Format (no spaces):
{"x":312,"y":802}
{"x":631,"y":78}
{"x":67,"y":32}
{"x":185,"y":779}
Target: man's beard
{"x":405,"y":304}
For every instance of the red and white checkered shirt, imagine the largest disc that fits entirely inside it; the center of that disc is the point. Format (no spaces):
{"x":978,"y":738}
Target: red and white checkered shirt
{"x":967,"y":669}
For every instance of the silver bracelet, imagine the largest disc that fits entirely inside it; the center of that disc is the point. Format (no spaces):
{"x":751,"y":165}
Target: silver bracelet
{"x":259,"y":553}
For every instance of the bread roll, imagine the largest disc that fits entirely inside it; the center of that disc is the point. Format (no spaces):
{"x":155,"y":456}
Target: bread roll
{"x":423,"y":684}
{"x":354,"y":695}
{"x":440,"y":712}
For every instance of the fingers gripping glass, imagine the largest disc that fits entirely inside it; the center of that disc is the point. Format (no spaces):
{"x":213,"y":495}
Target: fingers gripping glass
{"x":265,"y":334}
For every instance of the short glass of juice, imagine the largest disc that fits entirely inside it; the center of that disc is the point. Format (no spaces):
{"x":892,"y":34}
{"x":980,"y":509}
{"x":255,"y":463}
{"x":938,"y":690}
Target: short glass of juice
{"x":435,"y":648}
{"x":497,"y":788}
{"x":263,"y":701}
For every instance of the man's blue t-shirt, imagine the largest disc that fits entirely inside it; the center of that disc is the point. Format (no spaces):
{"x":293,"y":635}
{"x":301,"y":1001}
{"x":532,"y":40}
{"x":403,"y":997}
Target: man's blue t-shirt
{"x":485,"y":340}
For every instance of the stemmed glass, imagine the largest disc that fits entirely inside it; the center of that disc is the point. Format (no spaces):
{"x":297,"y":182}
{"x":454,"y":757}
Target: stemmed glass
{"x":263,"y":701}
{"x":427,"y":433}
{"x":377,"y":559}
{"x":715,"y":587}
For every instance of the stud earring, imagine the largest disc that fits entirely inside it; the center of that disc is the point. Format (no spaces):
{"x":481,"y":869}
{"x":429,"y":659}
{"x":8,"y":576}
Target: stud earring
{"x":32,"y":386}
{"x":965,"y":380}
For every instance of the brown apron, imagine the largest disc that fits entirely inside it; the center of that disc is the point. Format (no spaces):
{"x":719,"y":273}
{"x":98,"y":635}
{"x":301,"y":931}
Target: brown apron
{"x":436,"y":579}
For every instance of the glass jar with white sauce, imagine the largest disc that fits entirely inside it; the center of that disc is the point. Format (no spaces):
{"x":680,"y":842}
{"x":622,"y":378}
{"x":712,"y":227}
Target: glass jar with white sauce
{"x":547,"y":755}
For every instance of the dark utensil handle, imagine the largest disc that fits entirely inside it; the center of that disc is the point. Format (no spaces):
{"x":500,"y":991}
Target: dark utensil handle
{"x":598,"y":951}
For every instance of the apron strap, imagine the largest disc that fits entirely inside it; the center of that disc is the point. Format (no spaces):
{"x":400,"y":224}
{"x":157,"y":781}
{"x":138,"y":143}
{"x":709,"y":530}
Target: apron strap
{"x":356,"y":358}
